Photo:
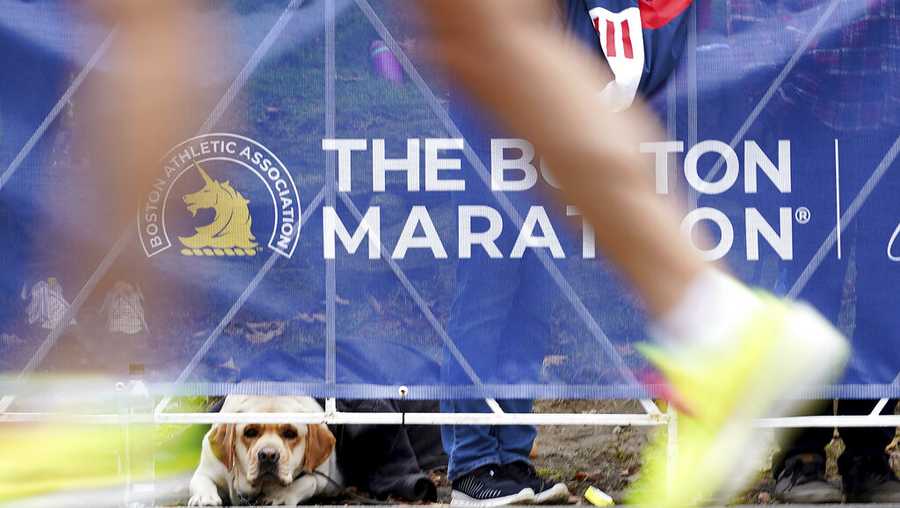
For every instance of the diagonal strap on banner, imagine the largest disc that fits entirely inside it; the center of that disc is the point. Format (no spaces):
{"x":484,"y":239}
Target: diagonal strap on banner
{"x":776,"y":84}
{"x":846,"y":218}
{"x":57,"y":108}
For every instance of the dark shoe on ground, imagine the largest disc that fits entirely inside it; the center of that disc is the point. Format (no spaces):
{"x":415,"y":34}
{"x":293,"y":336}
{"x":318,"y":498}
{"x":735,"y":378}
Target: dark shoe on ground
{"x":803,"y":481}
{"x":545,"y":491}
{"x":869,"y":479}
{"x":489,"y":486}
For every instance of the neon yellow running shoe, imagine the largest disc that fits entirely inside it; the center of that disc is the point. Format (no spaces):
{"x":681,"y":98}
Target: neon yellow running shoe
{"x":782,"y":349}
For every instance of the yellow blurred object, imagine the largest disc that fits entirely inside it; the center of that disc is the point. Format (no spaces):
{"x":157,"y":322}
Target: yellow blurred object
{"x":44,"y":458}
{"x":50,"y":457}
{"x":41,"y":459}
{"x":597,"y":497}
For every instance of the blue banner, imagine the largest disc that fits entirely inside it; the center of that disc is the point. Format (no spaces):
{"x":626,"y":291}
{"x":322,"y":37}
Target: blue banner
{"x":343,"y":223}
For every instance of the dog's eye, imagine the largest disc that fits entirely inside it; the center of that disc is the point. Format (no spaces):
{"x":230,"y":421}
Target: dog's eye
{"x":289,"y":434}
{"x":251,"y":432}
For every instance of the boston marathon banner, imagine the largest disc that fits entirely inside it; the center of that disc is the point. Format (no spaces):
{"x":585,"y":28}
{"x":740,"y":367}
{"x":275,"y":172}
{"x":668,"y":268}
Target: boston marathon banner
{"x":343,"y":222}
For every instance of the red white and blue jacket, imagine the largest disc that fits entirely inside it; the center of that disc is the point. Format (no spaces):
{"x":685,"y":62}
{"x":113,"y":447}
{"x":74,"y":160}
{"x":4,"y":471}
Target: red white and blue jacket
{"x":641,"y":40}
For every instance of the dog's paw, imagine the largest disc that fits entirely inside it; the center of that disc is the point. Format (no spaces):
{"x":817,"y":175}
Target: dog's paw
{"x":205,"y":500}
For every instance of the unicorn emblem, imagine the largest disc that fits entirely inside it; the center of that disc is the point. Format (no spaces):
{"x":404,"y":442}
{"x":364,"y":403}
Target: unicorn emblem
{"x":229,"y":233}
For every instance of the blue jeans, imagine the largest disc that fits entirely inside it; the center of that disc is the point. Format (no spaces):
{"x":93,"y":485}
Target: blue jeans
{"x":500,"y":321}
{"x":472,"y":446}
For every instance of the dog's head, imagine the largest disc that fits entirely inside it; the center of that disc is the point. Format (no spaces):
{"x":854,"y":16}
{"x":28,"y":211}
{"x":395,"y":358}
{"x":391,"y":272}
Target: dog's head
{"x":256,"y":454}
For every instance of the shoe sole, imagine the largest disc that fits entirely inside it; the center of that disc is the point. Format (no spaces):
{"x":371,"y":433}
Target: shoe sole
{"x":524,"y":496}
{"x":558,"y":492}
{"x":818,"y":498}
{"x":736,"y":448}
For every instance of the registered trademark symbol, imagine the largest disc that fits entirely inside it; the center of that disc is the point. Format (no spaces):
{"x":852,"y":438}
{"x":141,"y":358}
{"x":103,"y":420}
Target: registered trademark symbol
{"x":802,"y":215}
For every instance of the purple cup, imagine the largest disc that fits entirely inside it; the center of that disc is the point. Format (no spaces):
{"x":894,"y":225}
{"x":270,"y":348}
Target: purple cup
{"x":385,"y":63}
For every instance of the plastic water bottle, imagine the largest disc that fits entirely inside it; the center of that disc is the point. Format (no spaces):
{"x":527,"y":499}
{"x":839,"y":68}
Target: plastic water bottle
{"x":138,"y":460}
{"x":385,"y":63}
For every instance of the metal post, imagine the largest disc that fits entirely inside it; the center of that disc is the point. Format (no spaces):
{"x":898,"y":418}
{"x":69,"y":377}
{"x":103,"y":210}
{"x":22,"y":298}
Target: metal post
{"x":330,"y":200}
{"x":879,"y":407}
{"x":671,"y":445}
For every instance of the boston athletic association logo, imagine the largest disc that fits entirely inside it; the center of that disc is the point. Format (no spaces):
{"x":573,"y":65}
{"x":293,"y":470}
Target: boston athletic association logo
{"x":218,"y":192}
{"x":229,"y":232}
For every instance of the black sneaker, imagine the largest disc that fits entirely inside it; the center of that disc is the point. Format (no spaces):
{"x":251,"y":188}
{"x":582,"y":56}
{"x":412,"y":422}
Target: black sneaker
{"x":487,"y":486}
{"x":869,"y":479}
{"x":803,"y":481}
{"x":544,"y":491}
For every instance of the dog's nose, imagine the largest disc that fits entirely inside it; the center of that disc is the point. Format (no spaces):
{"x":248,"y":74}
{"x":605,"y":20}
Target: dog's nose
{"x":268,"y":455}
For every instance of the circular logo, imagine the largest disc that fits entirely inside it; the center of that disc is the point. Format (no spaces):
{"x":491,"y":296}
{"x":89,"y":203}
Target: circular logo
{"x":227,"y":195}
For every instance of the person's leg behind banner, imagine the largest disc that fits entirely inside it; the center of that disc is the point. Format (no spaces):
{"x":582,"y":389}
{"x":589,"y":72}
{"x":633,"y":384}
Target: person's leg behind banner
{"x":799,"y":466}
{"x":864,"y":465}
{"x":526,"y":339}
{"x":486,"y":290}
{"x":475,"y":471}
{"x":727,"y":355}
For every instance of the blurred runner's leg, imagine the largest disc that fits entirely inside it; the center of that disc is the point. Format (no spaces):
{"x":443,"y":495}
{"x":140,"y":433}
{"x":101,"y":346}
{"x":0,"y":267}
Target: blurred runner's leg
{"x":141,"y":99}
{"x":722,"y":349}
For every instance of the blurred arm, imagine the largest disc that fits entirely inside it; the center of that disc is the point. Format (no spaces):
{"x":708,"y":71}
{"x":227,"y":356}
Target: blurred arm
{"x":149,"y":99}
{"x":545,"y":89}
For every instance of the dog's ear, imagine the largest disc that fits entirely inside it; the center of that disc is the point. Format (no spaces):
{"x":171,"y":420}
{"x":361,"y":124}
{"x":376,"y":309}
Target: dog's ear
{"x":319,"y":445}
{"x":221,"y":441}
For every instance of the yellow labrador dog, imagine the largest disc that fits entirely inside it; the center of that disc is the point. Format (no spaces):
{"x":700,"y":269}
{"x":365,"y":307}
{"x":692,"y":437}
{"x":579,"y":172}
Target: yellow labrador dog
{"x":271,"y":464}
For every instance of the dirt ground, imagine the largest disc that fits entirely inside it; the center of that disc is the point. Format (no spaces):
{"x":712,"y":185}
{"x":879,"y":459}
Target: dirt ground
{"x":583,"y":456}
{"x":609,"y":457}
